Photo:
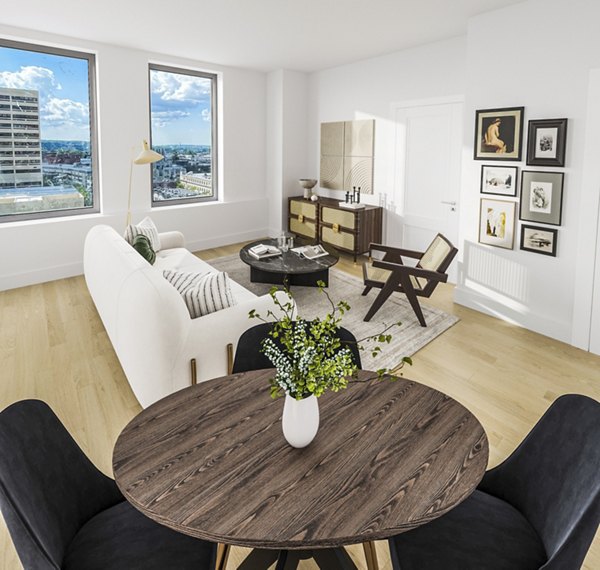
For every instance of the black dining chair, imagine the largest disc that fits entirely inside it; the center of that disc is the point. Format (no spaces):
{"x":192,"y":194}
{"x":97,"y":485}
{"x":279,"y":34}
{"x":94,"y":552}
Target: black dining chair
{"x":248,"y":354}
{"x":63,"y":513}
{"x":539,"y":509}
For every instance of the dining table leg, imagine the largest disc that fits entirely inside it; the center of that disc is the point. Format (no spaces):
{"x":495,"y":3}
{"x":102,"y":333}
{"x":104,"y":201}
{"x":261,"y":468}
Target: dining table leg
{"x":222,"y":556}
{"x":371,"y":555}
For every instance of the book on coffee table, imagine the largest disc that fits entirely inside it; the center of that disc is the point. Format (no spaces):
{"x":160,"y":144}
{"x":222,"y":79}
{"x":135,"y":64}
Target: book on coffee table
{"x":263,"y":251}
{"x":311,"y":251}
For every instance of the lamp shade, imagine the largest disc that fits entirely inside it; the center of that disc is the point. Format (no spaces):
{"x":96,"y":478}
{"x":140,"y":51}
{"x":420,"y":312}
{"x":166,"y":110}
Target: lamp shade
{"x":147,"y":156}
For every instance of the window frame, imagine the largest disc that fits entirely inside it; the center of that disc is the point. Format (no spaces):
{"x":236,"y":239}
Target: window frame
{"x":214,"y":111}
{"x":90,"y":57}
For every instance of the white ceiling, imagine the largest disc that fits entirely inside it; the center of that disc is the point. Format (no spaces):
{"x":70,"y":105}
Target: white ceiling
{"x":302,"y":35}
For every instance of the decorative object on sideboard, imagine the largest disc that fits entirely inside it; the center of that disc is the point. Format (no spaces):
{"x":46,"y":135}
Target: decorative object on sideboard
{"x":498,"y":133}
{"x":541,"y":197}
{"x":147,"y":156}
{"x":308,"y":184}
{"x":546,"y":142}
{"x":347,"y":151}
{"x":497,"y":223}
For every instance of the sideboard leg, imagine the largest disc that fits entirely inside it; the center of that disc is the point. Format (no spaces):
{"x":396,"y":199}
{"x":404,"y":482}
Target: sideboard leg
{"x":371,"y":555}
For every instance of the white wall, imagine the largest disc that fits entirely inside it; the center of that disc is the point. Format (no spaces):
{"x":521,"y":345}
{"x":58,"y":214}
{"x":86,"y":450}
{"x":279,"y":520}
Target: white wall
{"x":32,"y":252}
{"x":367,"y":89}
{"x":537,"y":54}
{"x":286,"y":142}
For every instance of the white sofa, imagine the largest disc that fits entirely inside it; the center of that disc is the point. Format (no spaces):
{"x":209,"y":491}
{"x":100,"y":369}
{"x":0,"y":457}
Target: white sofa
{"x":147,"y":320}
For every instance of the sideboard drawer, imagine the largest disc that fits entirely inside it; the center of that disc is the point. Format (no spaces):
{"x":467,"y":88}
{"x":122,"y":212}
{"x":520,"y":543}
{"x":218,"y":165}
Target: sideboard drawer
{"x":305,"y":227}
{"x":340,"y":239}
{"x":303,"y":208}
{"x":342,"y":218}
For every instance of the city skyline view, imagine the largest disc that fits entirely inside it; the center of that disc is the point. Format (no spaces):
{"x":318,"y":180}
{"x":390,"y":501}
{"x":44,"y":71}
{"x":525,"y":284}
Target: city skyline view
{"x":63,"y":86}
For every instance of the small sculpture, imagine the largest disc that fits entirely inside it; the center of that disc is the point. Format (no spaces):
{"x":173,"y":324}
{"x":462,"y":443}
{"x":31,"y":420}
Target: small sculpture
{"x":308,"y":184}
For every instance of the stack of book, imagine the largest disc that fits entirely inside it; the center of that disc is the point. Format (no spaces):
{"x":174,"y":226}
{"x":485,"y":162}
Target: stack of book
{"x":263,"y":251}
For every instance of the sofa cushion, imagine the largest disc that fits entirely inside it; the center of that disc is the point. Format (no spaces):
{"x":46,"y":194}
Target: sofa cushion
{"x":147,"y":228}
{"x":211,"y":293}
{"x":182,"y":280}
{"x":141,"y":244}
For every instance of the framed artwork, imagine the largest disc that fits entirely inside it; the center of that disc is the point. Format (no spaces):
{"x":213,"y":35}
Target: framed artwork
{"x":541,"y":197}
{"x":539,"y":240}
{"x":498,"y":134}
{"x":499,"y":180}
{"x":546,"y":142}
{"x":497,"y":223}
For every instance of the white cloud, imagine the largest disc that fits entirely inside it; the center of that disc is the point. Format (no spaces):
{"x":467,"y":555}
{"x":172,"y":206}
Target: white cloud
{"x":206,"y":115}
{"x":65,"y":112}
{"x":183,"y":88}
{"x":163,"y":118}
{"x":31,"y":77}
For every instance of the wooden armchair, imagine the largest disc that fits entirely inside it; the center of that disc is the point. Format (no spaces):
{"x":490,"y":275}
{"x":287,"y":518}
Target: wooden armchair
{"x":390,"y":274}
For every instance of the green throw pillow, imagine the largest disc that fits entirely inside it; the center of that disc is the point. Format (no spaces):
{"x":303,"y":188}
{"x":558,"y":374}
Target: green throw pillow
{"x":141,"y":244}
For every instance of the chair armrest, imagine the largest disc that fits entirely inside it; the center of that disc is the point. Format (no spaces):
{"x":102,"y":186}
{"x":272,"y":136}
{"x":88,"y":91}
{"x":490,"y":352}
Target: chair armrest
{"x":171,"y":240}
{"x":396,"y":250}
{"x":414,"y":271}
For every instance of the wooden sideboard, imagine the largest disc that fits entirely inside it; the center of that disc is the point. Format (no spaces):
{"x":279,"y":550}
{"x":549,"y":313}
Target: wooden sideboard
{"x":325,"y":221}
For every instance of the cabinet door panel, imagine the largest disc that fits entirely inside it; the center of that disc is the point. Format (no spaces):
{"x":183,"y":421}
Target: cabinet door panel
{"x":305,"y":228}
{"x":340,"y":239}
{"x":340,"y":217}
{"x":307,"y":209}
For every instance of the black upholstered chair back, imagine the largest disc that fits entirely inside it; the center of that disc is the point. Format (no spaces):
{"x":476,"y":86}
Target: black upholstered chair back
{"x":553,"y":479}
{"x":48,"y":487}
{"x":248,"y":355}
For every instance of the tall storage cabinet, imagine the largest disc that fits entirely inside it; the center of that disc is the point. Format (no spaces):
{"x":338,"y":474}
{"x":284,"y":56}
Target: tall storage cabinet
{"x":350,"y":230}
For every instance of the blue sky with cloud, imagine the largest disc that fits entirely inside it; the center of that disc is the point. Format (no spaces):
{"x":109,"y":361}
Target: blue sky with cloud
{"x":62,"y":83}
{"x":180,"y":107}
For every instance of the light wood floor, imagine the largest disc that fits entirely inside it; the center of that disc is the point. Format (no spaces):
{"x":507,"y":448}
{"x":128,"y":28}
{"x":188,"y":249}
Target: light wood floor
{"x":53,"y":347}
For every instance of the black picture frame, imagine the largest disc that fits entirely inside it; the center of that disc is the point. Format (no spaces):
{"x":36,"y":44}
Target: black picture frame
{"x":546,"y":142}
{"x":499,"y":180}
{"x":541,"y":197}
{"x":539,"y":240}
{"x":499,"y":134}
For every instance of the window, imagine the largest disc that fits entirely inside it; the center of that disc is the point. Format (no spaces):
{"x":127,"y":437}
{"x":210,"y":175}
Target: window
{"x":183,"y":126}
{"x":47,"y":132}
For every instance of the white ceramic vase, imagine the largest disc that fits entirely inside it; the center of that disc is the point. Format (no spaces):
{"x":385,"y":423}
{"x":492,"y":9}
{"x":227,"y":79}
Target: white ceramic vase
{"x":300,"y":420}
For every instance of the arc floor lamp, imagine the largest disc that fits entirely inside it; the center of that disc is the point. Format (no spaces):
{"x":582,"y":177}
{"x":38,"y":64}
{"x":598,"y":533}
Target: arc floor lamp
{"x":147,"y":156}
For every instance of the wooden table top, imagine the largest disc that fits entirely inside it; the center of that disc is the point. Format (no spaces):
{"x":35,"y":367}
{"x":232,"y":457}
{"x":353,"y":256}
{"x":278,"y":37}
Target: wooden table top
{"x":211,"y":461}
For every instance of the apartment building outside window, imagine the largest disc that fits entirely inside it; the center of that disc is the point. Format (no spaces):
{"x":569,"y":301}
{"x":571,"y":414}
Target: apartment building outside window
{"x":48,"y":148}
{"x":183,"y":126}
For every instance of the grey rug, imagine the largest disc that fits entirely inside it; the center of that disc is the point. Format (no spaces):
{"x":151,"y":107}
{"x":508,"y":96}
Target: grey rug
{"x":407,"y":339}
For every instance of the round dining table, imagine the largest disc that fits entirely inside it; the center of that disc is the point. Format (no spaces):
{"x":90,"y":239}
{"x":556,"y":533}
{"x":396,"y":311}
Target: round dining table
{"x":210,"y":461}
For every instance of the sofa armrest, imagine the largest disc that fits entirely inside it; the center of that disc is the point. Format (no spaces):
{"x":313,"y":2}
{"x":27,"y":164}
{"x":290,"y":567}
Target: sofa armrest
{"x":209,"y":336}
{"x":171,"y":240}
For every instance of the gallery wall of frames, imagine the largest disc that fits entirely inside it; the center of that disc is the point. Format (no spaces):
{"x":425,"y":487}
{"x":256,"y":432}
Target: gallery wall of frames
{"x":536,"y":195}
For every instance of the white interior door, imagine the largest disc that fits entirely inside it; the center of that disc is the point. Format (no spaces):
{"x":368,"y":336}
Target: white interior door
{"x":427,"y":174}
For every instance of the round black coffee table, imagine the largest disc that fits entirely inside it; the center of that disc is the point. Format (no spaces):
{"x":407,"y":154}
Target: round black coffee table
{"x":288,"y":268}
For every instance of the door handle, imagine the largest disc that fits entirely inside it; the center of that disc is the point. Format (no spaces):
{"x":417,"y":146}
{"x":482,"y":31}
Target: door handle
{"x":452,"y":205}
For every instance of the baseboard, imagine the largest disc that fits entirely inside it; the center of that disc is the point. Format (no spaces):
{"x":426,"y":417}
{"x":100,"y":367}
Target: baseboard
{"x":40,"y":276}
{"x":540,"y":324}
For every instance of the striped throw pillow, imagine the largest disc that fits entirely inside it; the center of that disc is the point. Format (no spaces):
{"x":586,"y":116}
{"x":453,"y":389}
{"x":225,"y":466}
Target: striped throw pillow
{"x":203,"y":293}
{"x":146,"y":228}
{"x":181,"y":280}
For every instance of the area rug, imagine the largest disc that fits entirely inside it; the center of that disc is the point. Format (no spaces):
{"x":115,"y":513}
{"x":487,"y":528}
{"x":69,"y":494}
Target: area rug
{"x":406,"y":339}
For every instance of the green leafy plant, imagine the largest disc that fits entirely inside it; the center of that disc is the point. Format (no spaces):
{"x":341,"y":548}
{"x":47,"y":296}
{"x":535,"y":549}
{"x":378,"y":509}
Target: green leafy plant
{"x":308,"y":355}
